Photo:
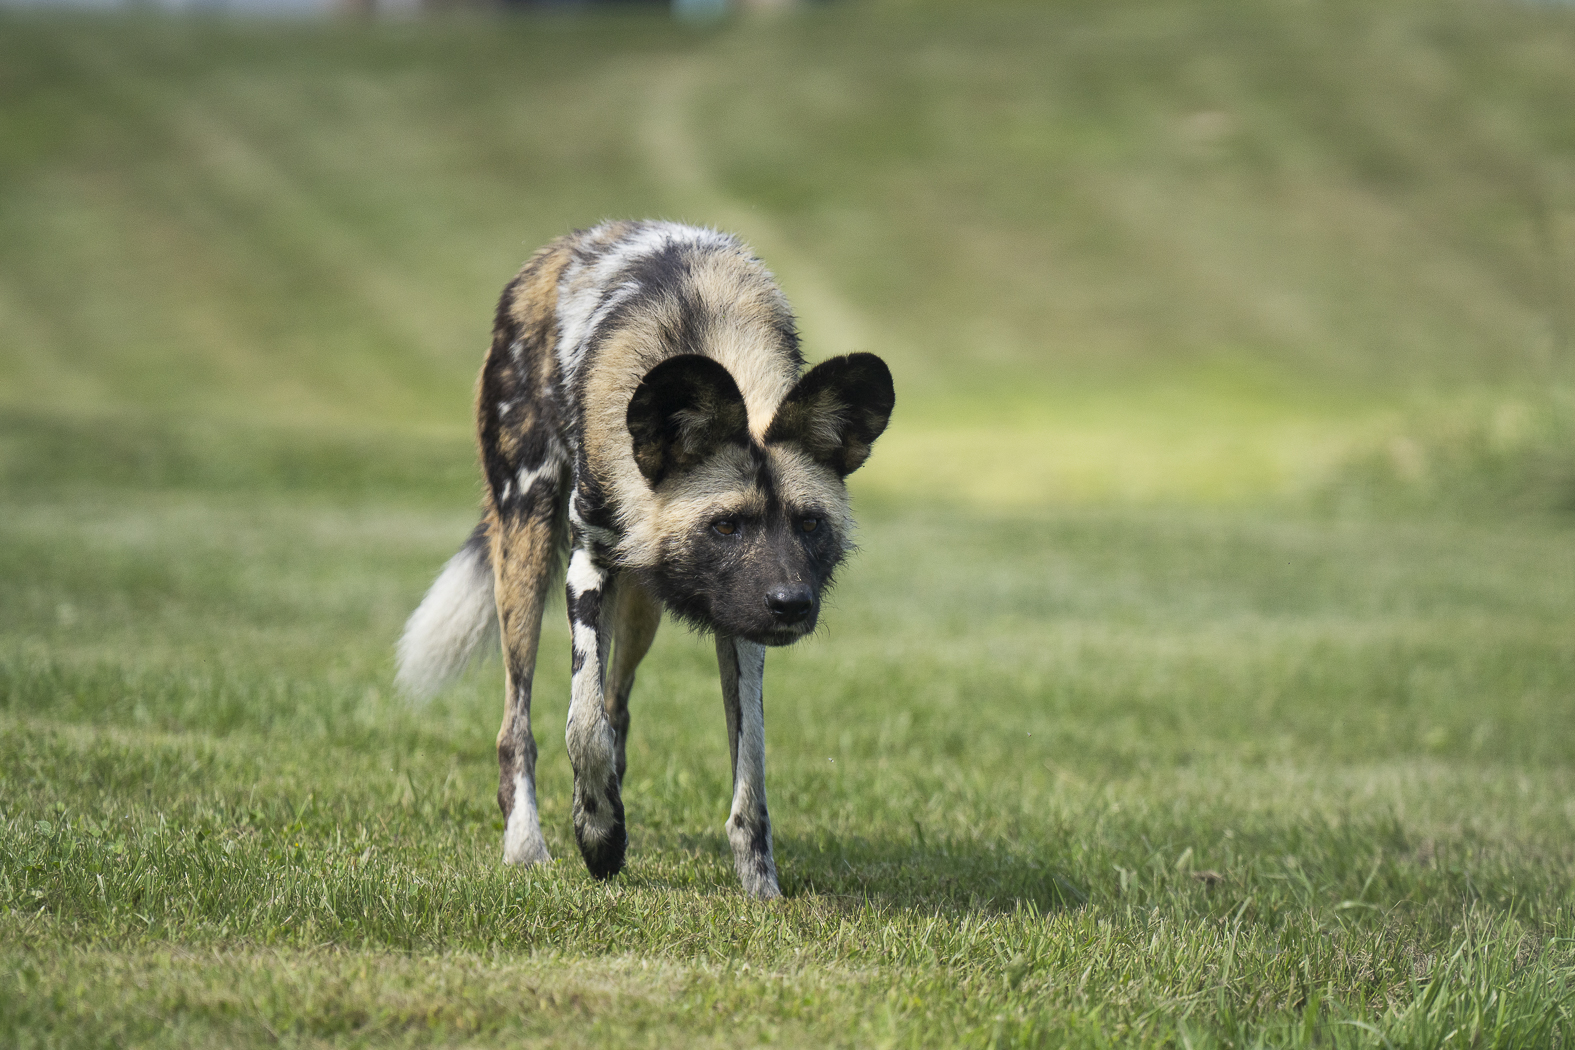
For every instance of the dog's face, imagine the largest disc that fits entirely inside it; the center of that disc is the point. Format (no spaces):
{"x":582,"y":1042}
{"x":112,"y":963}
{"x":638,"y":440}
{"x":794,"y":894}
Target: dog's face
{"x":752,"y":531}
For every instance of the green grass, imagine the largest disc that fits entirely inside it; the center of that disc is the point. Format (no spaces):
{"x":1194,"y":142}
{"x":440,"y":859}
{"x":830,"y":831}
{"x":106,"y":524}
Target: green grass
{"x":1114,"y":773}
{"x":1204,"y":678}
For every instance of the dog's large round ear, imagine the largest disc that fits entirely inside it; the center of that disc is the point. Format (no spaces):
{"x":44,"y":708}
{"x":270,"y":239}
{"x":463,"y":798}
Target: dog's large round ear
{"x":837,"y":410}
{"x":683,"y":411}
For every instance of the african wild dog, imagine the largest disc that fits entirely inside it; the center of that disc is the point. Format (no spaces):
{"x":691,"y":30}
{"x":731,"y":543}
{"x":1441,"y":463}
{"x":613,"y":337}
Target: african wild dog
{"x":642,"y":406}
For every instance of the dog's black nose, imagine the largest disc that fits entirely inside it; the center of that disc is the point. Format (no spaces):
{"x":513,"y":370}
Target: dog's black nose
{"x":790,"y":602}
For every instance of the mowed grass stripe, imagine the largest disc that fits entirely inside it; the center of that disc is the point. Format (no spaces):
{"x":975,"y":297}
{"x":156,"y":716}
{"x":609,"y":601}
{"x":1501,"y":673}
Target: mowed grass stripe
{"x":1126,"y":971}
{"x":1042,"y":835}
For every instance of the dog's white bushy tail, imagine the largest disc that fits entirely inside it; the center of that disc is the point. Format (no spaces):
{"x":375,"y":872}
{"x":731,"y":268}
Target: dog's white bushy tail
{"x":456,"y":616}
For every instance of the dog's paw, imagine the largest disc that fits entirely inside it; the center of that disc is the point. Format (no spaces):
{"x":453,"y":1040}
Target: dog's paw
{"x":762,"y":886}
{"x":752,"y":859}
{"x":526,"y":853}
{"x":599,"y":829}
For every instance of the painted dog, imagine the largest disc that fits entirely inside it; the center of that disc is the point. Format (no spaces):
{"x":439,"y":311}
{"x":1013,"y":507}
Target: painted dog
{"x":642,"y":407}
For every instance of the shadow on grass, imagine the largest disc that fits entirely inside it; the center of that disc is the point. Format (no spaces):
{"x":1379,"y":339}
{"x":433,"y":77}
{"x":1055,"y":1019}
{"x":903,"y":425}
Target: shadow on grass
{"x":910,"y":874}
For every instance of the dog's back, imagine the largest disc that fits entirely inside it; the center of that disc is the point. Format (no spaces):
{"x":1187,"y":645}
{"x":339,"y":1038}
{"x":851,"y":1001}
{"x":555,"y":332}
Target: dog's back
{"x":586,"y":320}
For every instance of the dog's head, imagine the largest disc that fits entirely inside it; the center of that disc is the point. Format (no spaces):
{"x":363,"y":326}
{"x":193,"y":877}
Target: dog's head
{"x":752,"y":530}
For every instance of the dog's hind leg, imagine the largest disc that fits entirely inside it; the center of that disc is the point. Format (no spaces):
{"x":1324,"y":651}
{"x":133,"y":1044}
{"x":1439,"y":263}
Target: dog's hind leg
{"x":524,"y":557}
{"x":598,"y":805}
{"x":636,"y":615}
{"x":743,"y":667}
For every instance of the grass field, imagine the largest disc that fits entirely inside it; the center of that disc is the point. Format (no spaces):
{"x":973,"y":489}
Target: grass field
{"x":1207,"y":674}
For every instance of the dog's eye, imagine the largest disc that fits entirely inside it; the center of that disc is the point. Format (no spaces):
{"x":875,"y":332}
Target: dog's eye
{"x":809,"y":524}
{"x":725,"y":527}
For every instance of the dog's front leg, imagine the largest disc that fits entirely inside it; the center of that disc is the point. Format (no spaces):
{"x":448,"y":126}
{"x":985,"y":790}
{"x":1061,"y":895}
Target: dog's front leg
{"x":598,"y":807}
{"x":743,"y":667}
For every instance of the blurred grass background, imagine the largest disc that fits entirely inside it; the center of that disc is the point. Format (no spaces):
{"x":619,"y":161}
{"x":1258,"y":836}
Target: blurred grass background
{"x":1158,"y":250}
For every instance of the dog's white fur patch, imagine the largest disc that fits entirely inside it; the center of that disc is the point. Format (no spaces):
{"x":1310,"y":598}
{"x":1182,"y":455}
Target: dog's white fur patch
{"x":522,"y":840}
{"x":584,"y":576}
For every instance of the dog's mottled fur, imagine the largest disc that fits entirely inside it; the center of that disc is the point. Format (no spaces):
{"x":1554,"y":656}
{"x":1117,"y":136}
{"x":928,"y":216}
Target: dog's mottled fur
{"x":642,"y":406}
